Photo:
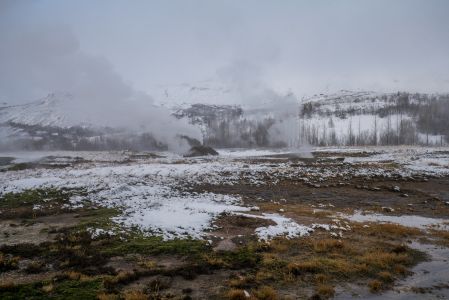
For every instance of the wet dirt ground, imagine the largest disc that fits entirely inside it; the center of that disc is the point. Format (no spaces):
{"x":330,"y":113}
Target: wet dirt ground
{"x":230,"y":261}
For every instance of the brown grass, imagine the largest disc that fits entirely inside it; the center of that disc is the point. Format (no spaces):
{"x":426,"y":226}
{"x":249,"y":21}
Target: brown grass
{"x":264,"y":275}
{"x":386,"y":276}
{"x":384,"y":260}
{"x":236,"y":294}
{"x":48,"y":288}
{"x":269,"y":207}
{"x":105,"y":296}
{"x":389,"y":231}
{"x":148,"y":263}
{"x":322,"y":265}
{"x":8,"y":262}
{"x":298,"y":268}
{"x":279,"y":245}
{"x":322,"y":278}
{"x":329,"y":245}
{"x":442,"y":237}
{"x":239,"y":282}
{"x":325,"y":290}
{"x":134,"y":295}
{"x":73,"y":275}
{"x":214,"y":261}
{"x":265,"y":293}
{"x":375,"y":286}
{"x":121,"y":278}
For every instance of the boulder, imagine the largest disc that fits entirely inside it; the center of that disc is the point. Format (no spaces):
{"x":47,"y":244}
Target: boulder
{"x":200,"y":151}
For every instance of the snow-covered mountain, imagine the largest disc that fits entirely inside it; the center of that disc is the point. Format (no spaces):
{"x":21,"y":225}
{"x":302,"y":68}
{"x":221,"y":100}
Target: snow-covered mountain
{"x":341,"y":118}
{"x":51,"y":123}
{"x":265,"y":119}
{"x":47,"y":112}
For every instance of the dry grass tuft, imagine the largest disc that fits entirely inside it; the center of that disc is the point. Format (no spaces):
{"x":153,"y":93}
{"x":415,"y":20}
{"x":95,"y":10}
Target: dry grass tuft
{"x":384,"y":260}
{"x":400,"y":269}
{"x":322,"y":278}
{"x":263,"y":275}
{"x":8,"y":262}
{"x":35,"y":267}
{"x":121,"y":278}
{"x":265,"y":293}
{"x":386,"y":276}
{"x":325,"y":291}
{"x":48,"y":288}
{"x":148,"y":263}
{"x":134,"y":295}
{"x":236,"y":294}
{"x":442,"y":236}
{"x":375,"y":286}
{"x":214,"y":261}
{"x":279,"y":245}
{"x":269,"y":207}
{"x":322,"y":264}
{"x":312,"y":265}
{"x":239,"y":282}
{"x":329,"y":245}
{"x":391,"y":231}
{"x":105,"y":296}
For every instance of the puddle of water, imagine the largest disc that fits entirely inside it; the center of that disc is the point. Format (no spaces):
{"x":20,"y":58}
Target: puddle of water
{"x":408,"y":221}
{"x":431,"y":277}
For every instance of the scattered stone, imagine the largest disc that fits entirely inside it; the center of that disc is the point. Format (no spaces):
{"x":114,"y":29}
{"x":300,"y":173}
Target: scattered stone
{"x":281,"y":210}
{"x":225,"y":245}
{"x":387,"y":209}
{"x":396,"y":188}
{"x":404,"y":195}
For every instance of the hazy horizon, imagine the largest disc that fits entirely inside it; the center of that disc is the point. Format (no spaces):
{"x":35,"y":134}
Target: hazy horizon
{"x":114,"y":49}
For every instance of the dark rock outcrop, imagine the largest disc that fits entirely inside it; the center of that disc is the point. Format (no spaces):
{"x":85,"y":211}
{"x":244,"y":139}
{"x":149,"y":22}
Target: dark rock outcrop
{"x":200,"y":151}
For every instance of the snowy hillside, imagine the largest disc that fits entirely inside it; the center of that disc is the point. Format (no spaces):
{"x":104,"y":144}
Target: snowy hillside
{"x":265,"y":119}
{"x":52,"y":123}
{"x":342,"y":118}
{"x":48,"y":111}
{"x":375,"y":118}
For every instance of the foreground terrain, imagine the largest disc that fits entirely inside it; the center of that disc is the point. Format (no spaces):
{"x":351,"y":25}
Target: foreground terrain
{"x":254,"y":224}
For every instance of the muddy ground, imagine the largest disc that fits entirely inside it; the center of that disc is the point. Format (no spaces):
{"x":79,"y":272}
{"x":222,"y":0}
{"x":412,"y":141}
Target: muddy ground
{"x":54,"y":254}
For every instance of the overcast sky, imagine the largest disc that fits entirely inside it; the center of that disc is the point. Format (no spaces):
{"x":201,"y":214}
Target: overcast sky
{"x":304,"y":46}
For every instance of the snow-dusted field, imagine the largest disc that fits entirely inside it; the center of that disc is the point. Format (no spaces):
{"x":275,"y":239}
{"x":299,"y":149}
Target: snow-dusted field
{"x":154,"y":193}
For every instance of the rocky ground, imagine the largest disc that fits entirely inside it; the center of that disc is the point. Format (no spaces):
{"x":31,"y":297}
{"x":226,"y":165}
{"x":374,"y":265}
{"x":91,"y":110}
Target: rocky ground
{"x":255,"y":224}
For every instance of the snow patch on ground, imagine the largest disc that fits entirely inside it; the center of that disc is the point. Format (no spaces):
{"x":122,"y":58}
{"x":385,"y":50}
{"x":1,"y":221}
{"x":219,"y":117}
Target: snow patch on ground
{"x":284,"y":227}
{"x":154,"y":193}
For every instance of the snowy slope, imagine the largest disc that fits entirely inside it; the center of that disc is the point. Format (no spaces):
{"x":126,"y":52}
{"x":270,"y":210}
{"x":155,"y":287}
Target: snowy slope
{"x":48,"y":111}
{"x":235,"y":117}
